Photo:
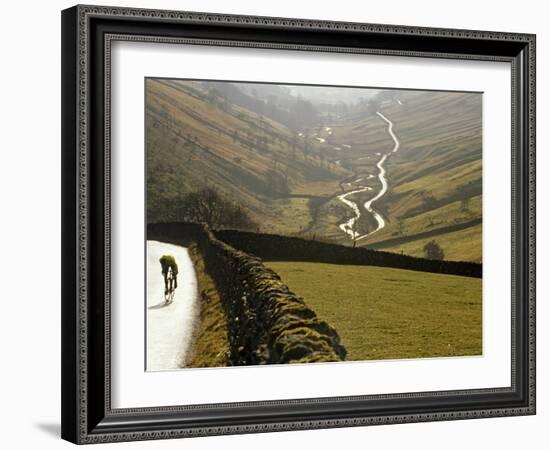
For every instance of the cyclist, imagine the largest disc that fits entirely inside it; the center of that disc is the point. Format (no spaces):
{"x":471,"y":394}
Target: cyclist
{"x":169,"y":265}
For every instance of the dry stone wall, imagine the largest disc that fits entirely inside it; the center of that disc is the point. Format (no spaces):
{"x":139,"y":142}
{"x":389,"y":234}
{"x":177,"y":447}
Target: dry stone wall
{"x":285,"y":248}
{"x":267,"y":323}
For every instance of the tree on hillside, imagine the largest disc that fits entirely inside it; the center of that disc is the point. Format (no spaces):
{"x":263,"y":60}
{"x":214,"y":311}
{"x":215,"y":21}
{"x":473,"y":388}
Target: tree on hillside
{"x":303,"y":113}
{"x":210,"y":207}
{"x":465,"y":204}
{"x":322,"y":158}
{"x":293,"y":143}
{"x":193,"y":145}
{"x":428,"y":199}
{"x":433,"y":250}
{"x":400,"y":227}
{"x":307,"y":144}
{"x":276,"y":182}
{"x":213,"y":96}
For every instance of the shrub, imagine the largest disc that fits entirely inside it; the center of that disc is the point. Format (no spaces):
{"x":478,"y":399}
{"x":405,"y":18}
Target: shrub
{"x":433,"y":250}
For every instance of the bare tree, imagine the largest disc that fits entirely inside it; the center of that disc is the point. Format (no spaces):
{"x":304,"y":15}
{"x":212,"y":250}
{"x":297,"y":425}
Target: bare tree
{"x":276,"y":182}
{"x":294,"y":143}
{"x":307,"y":144}
{"x":465,"y":204}
{"x":428,"y":199}
{"x":400,"y":227}
{"x":209,"y":207}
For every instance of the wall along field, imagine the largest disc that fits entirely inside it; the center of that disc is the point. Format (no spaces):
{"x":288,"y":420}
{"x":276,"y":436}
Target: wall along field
{"x":307,"y":162}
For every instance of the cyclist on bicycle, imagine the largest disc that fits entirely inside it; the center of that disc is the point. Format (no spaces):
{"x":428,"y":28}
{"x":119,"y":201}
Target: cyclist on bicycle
{"x":168,"y":265}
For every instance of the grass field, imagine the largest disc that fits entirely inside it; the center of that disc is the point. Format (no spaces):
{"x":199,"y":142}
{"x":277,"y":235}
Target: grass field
{"x":464,"y":245}
{"x":211,"y":345}
{"x":383,"y":313}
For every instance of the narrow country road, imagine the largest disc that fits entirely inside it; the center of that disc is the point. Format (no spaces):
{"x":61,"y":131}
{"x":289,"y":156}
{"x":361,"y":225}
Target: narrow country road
{"x":383,"y":181}
{"x":348,"y":226}
{"x":169,"y":328}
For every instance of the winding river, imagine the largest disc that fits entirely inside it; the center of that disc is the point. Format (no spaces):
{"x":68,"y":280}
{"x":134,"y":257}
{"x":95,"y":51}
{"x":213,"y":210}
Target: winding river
{"x":348,"y":226}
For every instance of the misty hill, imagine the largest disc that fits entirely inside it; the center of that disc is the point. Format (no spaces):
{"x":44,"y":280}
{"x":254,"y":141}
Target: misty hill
{"x":287,"y":158}
{"x":196,"y":137}
{"x":435,"y":177}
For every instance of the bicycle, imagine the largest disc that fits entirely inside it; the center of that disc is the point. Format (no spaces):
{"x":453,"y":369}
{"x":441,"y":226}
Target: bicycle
{"x":170,"y":291}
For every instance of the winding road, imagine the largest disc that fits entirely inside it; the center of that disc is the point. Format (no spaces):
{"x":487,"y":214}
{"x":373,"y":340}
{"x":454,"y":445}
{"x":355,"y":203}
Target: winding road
{"x":169,"y":326}
{"x":348,"y":226}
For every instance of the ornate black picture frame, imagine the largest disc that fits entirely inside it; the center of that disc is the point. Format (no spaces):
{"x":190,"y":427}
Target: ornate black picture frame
{"x":87,"y":35}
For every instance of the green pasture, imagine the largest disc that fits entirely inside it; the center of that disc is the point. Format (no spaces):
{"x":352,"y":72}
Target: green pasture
{"x":384,"y":313}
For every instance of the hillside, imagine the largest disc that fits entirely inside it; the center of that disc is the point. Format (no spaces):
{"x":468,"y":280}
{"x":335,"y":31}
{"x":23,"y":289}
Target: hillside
{"x":195,"y":139}
{"x":435,"y":177}
{"x":316,"y":179}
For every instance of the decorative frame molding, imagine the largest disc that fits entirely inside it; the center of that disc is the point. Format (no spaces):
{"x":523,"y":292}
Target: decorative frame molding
{"x":88,"y":32}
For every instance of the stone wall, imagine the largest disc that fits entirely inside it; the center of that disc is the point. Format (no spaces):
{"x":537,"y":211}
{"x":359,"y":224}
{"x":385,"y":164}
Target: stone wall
{"x":267,"y":323}
{"x":284,"y":248}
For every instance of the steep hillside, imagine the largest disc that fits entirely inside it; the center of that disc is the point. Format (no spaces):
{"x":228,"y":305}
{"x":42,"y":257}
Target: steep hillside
{"x":437,"y":178}
{"x":197,"y":138}
{"x":434,"y":178}
{"x":318,"y":178}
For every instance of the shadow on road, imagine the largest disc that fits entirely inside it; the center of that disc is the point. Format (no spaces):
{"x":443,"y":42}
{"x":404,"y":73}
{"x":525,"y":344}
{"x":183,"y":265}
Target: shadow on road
{"x":161,"y":305}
